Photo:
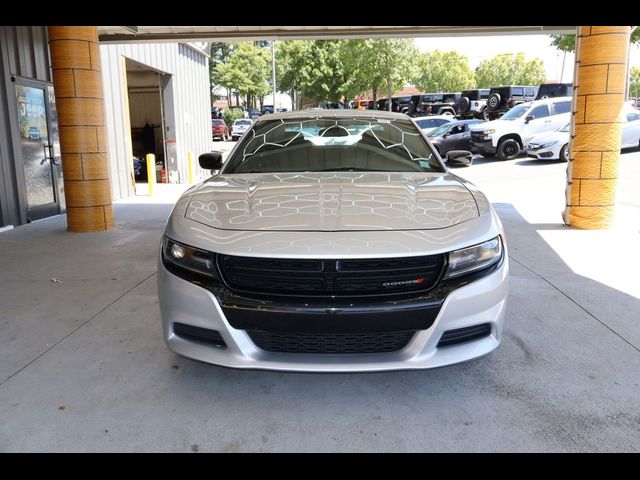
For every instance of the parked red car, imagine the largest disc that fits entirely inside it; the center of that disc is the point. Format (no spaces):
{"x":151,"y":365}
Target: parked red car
{"x":219,"y":129}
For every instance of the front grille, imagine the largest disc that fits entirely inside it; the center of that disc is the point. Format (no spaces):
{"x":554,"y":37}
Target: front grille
{"x":344,"y":343}
{"x":466,"y":334}
{"x":349,"y":277}
{"x":478,"y":137}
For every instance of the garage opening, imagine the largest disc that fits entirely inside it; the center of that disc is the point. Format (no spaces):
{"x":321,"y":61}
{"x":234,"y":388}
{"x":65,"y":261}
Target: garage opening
{"x":146,"y":117}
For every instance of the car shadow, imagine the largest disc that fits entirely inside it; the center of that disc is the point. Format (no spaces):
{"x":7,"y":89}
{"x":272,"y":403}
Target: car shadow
{"x":532,"y":162}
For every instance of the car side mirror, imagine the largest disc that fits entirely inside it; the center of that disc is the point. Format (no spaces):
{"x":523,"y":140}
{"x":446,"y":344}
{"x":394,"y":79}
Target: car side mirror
{"x":459,"y":158}
{"x":528,"y":118}
{"x":446,"y":135}
{"x":211,"y":161}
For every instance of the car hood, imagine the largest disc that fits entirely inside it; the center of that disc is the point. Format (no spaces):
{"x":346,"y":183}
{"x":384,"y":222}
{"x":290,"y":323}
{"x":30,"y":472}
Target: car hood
{"x":330,"y":201}
{"x":494,"y":124}
{"x":548,"y":137}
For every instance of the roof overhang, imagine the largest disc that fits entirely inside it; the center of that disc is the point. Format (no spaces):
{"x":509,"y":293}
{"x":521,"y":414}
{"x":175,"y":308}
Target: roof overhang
{"x":146,"y":34}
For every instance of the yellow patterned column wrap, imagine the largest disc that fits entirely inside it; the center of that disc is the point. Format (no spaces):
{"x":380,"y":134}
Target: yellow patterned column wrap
{"x":75,"y":62}
{"x":599,"y":80}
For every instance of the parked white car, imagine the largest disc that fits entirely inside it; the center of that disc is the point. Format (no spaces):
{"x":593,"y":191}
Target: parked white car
{"x":555,"y":145}
{"x":239,"y":127}
{"x":431,"y":122}
{"x":551,"y":145}
{"x":507,"y":136}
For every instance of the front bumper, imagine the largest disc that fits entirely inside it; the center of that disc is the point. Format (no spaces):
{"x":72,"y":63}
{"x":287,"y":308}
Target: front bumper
{"x":482,"y":301}
{"x":543,"y":153}
{"x":484,"y":148}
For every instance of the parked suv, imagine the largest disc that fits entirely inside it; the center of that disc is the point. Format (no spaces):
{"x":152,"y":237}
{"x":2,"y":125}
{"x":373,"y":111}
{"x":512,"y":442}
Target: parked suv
{"x":511,"y":133}
{"x":551,"y":90}
{"x":332,"y":241}
{"x":436,"y":104}
{"x":473,"y":102}
{"x":501,"y":99}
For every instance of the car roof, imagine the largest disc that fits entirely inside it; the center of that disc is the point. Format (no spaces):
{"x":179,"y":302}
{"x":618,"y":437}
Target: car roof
{"x":429,"y":117}
{"x":550,"y":99}
{"x":333,"y":113}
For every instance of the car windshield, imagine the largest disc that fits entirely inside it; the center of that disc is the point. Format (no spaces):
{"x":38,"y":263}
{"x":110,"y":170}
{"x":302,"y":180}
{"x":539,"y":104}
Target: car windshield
{"x":333,"y":144}
{"x":516,"y":112}
{"x":218,"y":122}
{"x":565,"y":128}
{"x":431,"y":122}
{"x":439,"y":131}
{"x":243,"y":122}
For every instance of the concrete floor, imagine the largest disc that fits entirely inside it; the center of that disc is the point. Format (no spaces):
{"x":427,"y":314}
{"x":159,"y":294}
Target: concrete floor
{"x":83,"y":366}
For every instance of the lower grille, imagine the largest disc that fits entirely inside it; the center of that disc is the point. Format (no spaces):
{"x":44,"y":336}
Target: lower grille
{"x":466,"y":334}
{"x":199,"y":334}
{"x":330,"y":342}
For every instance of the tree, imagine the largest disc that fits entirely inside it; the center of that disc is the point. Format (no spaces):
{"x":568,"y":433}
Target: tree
{"x":219,"y":52}
{"x":567,"y":43}
{"x":509,"y":69}
{"x":383,"y":64}
{"x":634,"y":87}
{"x":246,"y":70}
{"x":291,"y":58}
{"x":443,"y":72}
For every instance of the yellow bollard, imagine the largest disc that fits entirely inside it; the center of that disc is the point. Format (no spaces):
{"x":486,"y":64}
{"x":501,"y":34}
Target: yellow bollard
{"x":190,"y":167}
{"x":151,"y":172}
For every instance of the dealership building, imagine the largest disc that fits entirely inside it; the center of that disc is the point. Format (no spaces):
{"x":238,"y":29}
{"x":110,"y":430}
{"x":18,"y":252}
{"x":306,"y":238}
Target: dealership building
{"x":110,"y":103}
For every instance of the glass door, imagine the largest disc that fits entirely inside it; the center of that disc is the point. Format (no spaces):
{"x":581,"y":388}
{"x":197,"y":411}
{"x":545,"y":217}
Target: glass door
{"x":40,"y":163}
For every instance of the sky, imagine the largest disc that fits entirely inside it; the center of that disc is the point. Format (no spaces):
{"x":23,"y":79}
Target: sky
{"x":479,"y":48}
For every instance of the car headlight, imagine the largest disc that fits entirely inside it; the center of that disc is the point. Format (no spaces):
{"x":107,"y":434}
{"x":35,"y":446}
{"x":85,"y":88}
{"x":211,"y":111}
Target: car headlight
{"x":472,"y":259}
{"x":489,"y":132}
{"x":547,"y":145}
{"x":189,"y":258}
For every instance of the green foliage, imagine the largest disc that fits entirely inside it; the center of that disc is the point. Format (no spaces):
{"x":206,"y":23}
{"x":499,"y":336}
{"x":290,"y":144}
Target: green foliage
{"x":567,"y":43}
{"x":380,"y":65}
{"x":327,"y":69}
{"x":634,"y":88}
{"x":247,"y":69}
{"x":291,"y":59}
{"x":509,"y":69}
{"x":443,"y":72}
{"x":231,"y":115}
{"x":219,"y":52}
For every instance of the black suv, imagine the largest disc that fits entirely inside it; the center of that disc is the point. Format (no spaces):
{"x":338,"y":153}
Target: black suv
{"x":504,"y":98}
{"x":473,"y":102}
{"x":550,"y":90}
{"x":435,"y":104}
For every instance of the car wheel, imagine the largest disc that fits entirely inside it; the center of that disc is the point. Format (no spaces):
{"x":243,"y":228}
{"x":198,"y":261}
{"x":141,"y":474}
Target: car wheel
{"x":564,"y":153}
{"x":508,"y":149}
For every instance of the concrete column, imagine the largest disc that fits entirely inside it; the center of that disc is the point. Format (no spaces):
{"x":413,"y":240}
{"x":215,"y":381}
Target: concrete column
{"x":599,"y":80}
{"x":75,"y":61}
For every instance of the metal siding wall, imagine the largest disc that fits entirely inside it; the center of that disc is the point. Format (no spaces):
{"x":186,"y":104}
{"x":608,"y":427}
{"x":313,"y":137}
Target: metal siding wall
{"x":24,"y":52}
{"x":195,"y":99}
{"x":190,"y":71}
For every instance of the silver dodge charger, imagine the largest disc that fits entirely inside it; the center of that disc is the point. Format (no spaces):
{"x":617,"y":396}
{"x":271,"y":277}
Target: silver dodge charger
{"x":332,"y":241}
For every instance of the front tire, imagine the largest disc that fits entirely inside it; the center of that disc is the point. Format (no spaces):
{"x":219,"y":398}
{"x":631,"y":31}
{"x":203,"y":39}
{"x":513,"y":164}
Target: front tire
{"x":564,"y":153}
{"x":508,"y":149}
